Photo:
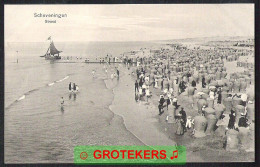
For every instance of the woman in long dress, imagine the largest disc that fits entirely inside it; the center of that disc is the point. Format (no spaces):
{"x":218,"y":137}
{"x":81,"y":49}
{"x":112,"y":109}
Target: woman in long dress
{"x":180,"y":129}
{"x":156,"y":83}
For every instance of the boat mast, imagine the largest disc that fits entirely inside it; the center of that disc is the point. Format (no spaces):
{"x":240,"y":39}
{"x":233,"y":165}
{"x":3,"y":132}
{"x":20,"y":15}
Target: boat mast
{"x":49,"y":45}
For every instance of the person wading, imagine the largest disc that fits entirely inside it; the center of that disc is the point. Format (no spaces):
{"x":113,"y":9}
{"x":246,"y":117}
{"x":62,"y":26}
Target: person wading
{"x":70,"y":86}
{"x":117,"y":73}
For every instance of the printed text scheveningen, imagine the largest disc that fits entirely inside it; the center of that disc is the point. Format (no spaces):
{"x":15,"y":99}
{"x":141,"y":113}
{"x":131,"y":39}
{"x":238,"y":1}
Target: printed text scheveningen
{"x":50,"y":15}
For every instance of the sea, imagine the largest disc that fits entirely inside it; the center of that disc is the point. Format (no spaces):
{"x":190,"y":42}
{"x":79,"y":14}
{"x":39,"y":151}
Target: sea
{"x":36,"y":128}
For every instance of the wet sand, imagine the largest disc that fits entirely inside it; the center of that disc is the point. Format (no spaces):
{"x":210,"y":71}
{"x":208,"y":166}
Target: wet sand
{"x":139,"y":118}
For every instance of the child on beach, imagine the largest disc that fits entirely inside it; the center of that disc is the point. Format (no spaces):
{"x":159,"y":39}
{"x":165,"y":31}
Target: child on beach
{"x":62,"y":104}
{"x":93,"y":73}
{"x":147,"y":93}
{"x":189,"y":122}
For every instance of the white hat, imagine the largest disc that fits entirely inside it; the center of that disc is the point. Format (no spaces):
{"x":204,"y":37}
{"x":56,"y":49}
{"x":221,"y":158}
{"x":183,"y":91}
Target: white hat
{"x":200,"y":93}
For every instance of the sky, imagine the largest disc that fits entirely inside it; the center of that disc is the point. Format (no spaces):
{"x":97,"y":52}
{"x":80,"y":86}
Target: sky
{"x":128,"y":22}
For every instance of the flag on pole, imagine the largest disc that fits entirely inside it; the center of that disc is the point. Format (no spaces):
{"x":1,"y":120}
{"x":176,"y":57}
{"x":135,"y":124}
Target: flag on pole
{"x":49,"y":38}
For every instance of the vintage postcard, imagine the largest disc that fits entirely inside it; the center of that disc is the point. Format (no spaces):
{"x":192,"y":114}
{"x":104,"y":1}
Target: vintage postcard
{"x":129,"y":76}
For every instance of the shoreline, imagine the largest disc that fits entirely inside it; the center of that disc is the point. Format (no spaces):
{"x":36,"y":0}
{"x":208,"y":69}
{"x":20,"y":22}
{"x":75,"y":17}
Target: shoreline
{"x":111,"y":87}
{"x":196,"y":151}
{"x":138,"y":118}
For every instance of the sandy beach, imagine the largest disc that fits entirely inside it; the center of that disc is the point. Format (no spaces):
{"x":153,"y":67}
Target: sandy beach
{"x":140,"y":119}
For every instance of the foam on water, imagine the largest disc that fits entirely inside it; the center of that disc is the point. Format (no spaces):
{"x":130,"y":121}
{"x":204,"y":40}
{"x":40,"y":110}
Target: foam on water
{"x":21,"y":98}
{"x":50,"y":84}
{"x":33,"y":90}
{"x":63,"y":79}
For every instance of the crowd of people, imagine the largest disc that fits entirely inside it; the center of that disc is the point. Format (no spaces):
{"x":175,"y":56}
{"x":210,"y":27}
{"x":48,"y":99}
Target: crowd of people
{"x":174,"y":74}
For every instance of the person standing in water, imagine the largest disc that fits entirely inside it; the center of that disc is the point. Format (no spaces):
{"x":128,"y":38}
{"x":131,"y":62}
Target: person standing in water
{"x":117,"y":73}
{"x":93,"y":73}
{"x":70,"y":86}
{"x":74,"y":87}
{"x":61,"y":104}
{"x":61,"y":101}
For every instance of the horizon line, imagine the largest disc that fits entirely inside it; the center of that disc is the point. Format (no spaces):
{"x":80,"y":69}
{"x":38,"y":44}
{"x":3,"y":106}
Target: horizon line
{"x":155,"y":40}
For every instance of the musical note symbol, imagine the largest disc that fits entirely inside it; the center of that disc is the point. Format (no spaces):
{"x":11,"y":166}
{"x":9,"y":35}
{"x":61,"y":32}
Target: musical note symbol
{"x":175,"y":156}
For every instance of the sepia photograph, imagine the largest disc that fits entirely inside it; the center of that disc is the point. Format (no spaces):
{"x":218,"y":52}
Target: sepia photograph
{"x":129,"y":75}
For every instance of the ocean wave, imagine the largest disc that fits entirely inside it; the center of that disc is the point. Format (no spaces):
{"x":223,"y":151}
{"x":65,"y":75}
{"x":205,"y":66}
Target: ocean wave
{"x":62,"y":79}
{"x":21,"y":98}
{"x":33,"y":90}
{"x":50,"y":84}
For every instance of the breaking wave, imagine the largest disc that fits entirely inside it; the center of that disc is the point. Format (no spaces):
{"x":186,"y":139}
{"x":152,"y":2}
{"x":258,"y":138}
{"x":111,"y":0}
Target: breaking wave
{"x":33,"y":90}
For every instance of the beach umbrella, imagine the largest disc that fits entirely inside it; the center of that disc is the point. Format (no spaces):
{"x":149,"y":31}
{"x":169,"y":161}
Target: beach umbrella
{"x":218,"y":75}
{"x":213,"y":83}
{"x":225,"y":89}
{"x":220,"y":83}
{"x":196,"y":77}
{"x":207,"y":79}
{"x":205,"y":90}
{"x":244,"y":137}
{"x":250,"y":112}
{"x":200,"y":124}
{"x":236,"y":86}
{"x":251,"y":94}
{"x":210,"y":102}
{"x":200,"y":93}
{"x":200,"y":104}
{"x":236,"y":101}
{"x":191,"y":91}
{"x":209,"y":111}
{"x":191,"y":79}
{"x":165,"y":83}
{"x":239,"y":109}
{"x":230,"y":85}
{"x":219,"y":110}
{"x":232,"y":140}
{"x":243,"y":86}
{"x":195,"y":99}
{"x":212,"y":87}
{"x":228,"y":104}
{"x":248,"y":80}
{"x":211,"y":126}
{"x":223,"y":74}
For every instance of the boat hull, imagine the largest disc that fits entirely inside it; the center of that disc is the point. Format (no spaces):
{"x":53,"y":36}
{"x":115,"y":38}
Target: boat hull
{"x":52,"y":57}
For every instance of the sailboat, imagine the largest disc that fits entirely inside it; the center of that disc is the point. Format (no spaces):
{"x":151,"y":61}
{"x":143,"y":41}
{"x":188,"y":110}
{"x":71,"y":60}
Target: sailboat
{"x":52,"y":53}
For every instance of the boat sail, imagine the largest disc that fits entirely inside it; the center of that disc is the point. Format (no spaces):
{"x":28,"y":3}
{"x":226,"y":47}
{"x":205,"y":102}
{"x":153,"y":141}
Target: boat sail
{"x":52,"y":53}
